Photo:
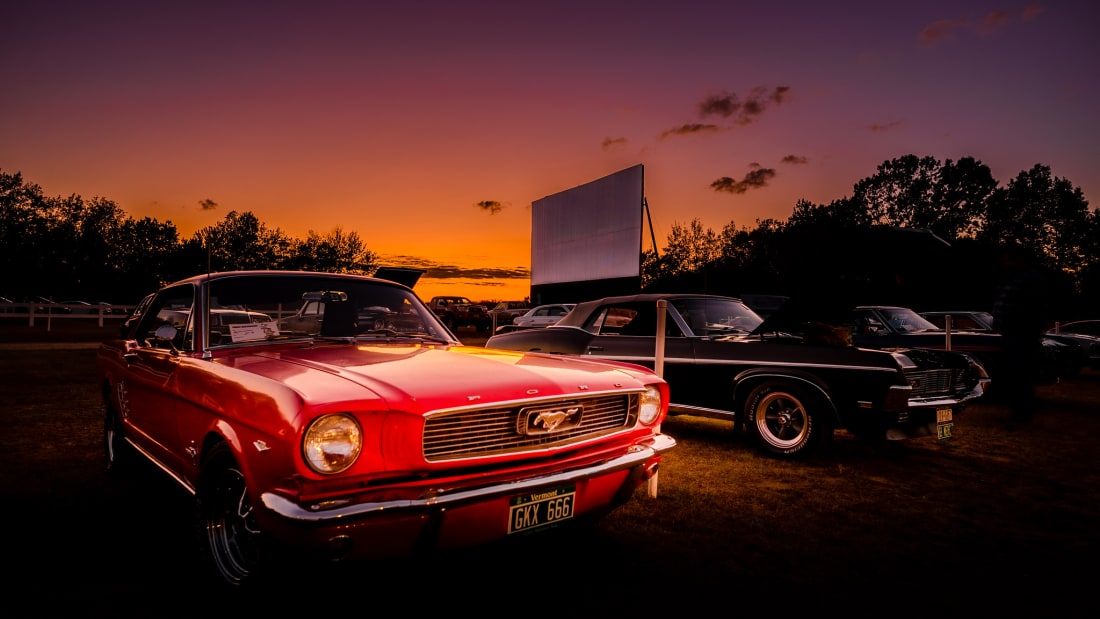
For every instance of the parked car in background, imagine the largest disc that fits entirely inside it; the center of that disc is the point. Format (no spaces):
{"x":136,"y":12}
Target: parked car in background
{"x":458,"y":312}
{"x":338,"y":443}
{"x":83,"y":307}
{"x":39,"y":304}
{"x":544,"y":315}
{"x":504,"y":312}
{"x":1082,"y":327}
{"x":1064,"y":354}
{"x":961,"y":320}
{"x":789,"y":389}
{"x":1086,"y":333}
{"x":318,"y":306}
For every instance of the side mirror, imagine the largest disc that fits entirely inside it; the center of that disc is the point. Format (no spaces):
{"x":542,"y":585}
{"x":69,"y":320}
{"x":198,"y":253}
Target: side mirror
{"x":166,"y":333}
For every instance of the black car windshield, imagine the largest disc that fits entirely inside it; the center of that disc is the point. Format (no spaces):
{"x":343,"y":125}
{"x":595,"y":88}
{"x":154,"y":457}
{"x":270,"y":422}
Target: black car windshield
{"x":904,"y":320}
{"x":259,"y":307}
{"x":716,"y":316}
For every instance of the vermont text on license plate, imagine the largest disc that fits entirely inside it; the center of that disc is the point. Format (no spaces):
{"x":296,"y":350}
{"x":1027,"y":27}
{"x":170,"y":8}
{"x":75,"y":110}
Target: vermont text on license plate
{"x":541,"y":508}
{"x":944,"y":424}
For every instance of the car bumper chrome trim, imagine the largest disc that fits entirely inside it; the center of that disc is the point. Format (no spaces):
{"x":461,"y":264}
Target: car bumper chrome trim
{"x":637,"y":456}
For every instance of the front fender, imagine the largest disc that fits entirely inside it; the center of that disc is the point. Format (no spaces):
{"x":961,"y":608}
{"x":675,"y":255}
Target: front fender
{"x":746,"y":381}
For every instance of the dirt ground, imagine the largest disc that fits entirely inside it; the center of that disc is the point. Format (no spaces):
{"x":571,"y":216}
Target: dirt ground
{"x":1000,"y":519}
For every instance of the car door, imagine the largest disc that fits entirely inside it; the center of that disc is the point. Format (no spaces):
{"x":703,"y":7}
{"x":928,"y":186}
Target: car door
{"x":628,"y":332}
{"x":147,"y":392}
{"x":307,"y":319}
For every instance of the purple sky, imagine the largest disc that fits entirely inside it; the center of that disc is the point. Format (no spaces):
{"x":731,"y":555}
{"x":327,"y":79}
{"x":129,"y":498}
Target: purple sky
{"x":430,"y":127}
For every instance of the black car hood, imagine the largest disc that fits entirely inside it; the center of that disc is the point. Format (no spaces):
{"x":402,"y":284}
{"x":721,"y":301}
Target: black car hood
{"x":798,"y":312}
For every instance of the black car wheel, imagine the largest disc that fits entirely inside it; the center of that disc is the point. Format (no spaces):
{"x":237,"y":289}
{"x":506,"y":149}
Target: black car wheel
{"x":228,"y":534}
{"x":782,"y":418}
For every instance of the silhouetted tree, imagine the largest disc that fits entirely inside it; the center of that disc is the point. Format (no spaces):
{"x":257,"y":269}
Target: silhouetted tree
{"x":143,"y":255}
{"x":335,"y":252}
{"x":24,"y":233}
{"x":242,"y":242}
{"x":1047,"y":215}
{"x":910,"y":192}
{"x":842,"y":213}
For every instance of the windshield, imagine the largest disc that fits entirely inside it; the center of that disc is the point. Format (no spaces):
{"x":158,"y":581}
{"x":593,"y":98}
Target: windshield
{"x":716,"y":316}
{"x":260,"y":307}
{"x":905,"y":320}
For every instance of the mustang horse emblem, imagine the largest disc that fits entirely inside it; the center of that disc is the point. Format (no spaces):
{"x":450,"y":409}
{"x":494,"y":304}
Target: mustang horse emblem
{"x":547,"y":421}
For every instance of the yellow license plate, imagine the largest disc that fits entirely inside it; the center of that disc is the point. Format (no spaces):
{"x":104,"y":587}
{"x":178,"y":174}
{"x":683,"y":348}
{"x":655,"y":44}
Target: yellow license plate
{"x":540,"y":509}
{"x":944,"y":423}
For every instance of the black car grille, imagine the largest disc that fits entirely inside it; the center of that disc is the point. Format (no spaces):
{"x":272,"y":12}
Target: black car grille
{"x":479,"y":432}
{"x":932,"y":383}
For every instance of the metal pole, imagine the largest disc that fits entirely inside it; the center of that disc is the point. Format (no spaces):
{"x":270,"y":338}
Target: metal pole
{"x":659,"y":368}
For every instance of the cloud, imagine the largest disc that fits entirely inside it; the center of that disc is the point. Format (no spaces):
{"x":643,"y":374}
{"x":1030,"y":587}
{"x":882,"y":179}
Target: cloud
{"x":490,"y":206}
{"x":1032,"y":11}
{"x":689,"y":129}
{"x":743,"y":111}
{"x":755,"y":179}
{"x":441,"y":270}
{"x":890,"y":126}
{"x":940,"y":29}
{"x":609,"y":143}
{"x":795,"y":159}
{"x":994,"y":21}
{"x":728,"y":105}
{"x":208,"y":204}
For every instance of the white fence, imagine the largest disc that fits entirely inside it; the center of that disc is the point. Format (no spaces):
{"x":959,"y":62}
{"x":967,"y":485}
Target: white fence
{"x":63,"y":311}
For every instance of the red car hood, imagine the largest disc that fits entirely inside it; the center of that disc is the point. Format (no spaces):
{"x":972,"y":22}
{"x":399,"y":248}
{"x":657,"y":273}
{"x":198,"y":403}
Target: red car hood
{"x":425,"y":378}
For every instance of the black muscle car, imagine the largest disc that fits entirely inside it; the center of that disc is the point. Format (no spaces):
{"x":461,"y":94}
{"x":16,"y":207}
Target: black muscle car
{"x":789,"y":389}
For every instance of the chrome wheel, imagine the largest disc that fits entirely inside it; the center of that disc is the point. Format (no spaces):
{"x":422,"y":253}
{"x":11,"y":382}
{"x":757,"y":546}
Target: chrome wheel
{"x":116,"y":450}
{"x":227,"y":525}
{"x":783,"y":421}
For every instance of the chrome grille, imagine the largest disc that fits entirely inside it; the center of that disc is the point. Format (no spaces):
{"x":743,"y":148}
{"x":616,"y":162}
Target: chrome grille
{"x":472,"y":433}
{"x":931,"y":383}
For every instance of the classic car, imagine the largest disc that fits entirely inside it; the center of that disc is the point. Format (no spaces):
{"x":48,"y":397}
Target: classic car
{"x":790,"y":390}
{"x":1086,"y":333}
{"x":961,"y":320}
{"x":505,"y":311}
{"x":337,"y":441}
{"x":544,"y":315}
{"x":310,"y":316}
{"x":458,"y":312}
{"x":888,"y":326}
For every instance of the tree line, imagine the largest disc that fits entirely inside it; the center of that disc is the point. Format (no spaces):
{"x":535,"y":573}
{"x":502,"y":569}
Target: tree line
{"x":69,"y":247}
{"x":919,"y":232}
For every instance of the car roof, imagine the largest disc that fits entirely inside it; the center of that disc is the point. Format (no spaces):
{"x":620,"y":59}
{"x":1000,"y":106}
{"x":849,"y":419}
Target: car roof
{"x":580,"y":310}
{"x":221,"y":275}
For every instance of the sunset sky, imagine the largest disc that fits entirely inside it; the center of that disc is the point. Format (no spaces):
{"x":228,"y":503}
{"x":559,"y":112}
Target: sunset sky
{"x":430,"y":127}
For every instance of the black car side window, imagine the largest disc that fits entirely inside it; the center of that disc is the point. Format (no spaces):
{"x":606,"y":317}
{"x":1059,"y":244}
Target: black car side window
{"x":172,"y":307}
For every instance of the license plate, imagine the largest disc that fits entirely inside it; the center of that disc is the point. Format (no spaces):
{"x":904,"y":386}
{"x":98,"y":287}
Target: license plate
{"x":944,"y":423}
{"x":540,"y":509}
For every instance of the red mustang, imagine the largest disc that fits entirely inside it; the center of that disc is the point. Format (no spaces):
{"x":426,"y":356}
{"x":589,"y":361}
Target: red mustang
{"x":355,"y":438}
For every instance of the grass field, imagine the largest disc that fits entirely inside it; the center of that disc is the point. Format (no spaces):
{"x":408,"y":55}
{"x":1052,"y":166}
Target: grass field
{"x":998,"y":519}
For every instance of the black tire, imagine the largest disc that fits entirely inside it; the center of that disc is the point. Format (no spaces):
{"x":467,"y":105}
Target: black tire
{"x":117,"y":453}
{"x":229,"y":538}
{"x":786,"y":420}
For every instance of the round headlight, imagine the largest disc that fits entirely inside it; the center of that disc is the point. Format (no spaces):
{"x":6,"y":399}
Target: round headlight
{"x":332,"y":443}
{"x":649,"y":405}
